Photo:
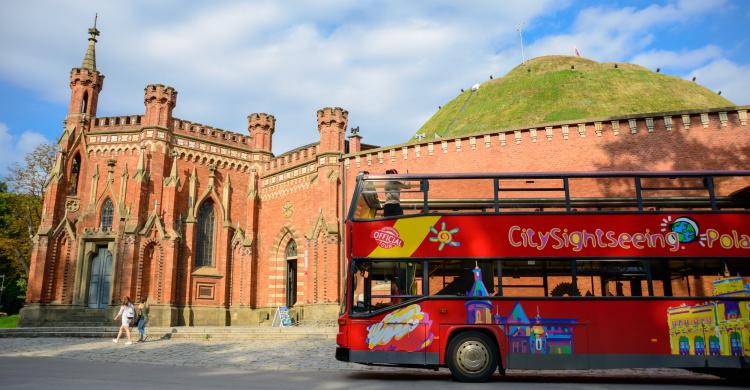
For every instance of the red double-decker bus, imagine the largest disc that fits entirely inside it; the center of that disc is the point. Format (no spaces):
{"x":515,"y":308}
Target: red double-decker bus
{"x":549,"y":271}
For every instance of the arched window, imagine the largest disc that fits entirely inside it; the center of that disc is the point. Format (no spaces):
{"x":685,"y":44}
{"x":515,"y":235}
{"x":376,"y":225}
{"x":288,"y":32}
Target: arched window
{"x":85,"y":102}
{"x":291,"y":250}
{"x":75,"y":169}
{"x":108,"y":209}
{"x":204,"y":240}
{"x":290,"y":254}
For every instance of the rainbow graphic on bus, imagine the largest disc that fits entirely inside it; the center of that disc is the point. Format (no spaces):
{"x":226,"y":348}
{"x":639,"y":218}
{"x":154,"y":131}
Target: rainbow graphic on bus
{"x":405,"y":330}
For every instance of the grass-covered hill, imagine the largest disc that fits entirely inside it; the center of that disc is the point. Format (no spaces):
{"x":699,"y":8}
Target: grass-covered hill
{"x":561,"y":88}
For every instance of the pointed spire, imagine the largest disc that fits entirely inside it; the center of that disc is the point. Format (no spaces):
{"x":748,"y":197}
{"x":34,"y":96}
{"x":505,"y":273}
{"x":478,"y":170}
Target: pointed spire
{"x":89,"y":60}
{"x":173,"y":180}
{"x":140,"y":170}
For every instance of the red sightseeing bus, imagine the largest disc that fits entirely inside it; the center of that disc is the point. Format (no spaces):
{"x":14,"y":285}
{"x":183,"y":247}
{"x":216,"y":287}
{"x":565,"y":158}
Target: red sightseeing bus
{"x":491,"y":272}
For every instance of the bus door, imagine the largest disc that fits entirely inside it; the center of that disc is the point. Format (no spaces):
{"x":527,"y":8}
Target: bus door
{"x":388,"y":324}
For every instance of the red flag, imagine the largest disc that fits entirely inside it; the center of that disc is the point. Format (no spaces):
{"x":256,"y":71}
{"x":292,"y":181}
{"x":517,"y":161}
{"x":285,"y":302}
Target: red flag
{"x":578,"y":54}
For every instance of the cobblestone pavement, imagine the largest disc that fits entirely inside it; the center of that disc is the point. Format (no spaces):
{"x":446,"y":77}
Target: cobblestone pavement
{"x":261,"y":355}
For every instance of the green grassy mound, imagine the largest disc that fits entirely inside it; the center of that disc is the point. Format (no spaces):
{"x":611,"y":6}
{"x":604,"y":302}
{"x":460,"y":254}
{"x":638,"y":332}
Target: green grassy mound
{"x":547,"y":89}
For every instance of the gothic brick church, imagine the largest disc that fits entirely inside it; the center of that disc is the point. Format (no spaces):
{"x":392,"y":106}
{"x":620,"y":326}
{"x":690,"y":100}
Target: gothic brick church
{"x":212,"y":228}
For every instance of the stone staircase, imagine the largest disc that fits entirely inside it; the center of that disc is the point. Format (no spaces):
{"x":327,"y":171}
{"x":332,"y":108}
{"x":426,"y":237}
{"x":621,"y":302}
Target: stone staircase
{"x":182,"y":332}
{"x":83,"y":318}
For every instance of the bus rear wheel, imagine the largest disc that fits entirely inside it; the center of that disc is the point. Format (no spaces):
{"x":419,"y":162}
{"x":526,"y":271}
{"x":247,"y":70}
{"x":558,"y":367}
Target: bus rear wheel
{"x":472,"y":357}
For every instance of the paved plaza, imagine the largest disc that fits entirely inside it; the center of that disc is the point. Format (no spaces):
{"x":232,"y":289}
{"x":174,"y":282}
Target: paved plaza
{"x":280,"y":355}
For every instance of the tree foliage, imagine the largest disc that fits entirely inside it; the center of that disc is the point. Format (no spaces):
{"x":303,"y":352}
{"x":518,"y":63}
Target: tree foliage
{"x":20,"y":213}
{"x":29,"y":178}
{"x":19,"y":220}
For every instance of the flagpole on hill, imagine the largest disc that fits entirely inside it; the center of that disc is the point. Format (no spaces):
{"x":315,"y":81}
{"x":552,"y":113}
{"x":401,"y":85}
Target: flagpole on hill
{"x":520,"y":35}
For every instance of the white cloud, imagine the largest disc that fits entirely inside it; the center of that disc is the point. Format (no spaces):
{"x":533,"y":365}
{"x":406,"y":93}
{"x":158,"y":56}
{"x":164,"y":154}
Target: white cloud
{"x":29,"y":140}
{"x":384,"y":62}
{"x":614,"y":34}
{"x":389,"y":63}
{"x":725,"y":76}
{"x":685,"y":59}
{"x":13,"y":148}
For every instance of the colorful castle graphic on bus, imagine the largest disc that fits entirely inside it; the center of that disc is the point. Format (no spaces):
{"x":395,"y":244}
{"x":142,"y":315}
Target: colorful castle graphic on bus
{"x":719,"y":327}
{"x":478,"y":311}
{"x":535,"y":336}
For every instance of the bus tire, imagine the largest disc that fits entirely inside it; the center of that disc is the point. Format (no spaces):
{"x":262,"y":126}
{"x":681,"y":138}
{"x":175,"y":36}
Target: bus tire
{"x":472,"y":357}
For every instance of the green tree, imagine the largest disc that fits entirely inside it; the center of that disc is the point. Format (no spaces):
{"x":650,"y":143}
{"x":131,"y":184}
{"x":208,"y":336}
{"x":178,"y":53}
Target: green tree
{"x":14,"y":248}
{"x":20,"y":213}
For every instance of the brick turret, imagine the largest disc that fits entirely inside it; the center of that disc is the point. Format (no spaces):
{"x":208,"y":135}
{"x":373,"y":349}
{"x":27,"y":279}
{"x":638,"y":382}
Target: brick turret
{"x":86,"y":82}
{"x":332,"y":126}
{"x":160,"y":101}
{"x":261,"y":127}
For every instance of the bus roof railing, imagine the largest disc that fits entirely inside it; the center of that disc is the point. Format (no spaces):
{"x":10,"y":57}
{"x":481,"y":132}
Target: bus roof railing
{"x":558,"y":175}
{"x":477,"y":203}
{"x":566,"y":201}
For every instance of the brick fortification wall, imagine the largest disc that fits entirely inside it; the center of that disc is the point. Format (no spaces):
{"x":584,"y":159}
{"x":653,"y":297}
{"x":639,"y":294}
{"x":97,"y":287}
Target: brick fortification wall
{"x":693,"y":140}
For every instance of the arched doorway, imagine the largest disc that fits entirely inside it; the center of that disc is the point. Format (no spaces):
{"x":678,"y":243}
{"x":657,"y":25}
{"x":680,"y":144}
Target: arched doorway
{"x":100,"y":279}
{"x":699,"y":346}
{"x":684,"y":346}
{"x":735,"y":344}
{"x":714,"y":346}
{"x":290,"y":254}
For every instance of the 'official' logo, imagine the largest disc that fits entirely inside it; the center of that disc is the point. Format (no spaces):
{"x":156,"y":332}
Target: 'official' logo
{"x":387,"y":238}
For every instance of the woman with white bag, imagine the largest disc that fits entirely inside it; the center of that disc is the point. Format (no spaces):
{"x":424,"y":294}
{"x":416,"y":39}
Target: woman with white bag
{"x":127,"y":317}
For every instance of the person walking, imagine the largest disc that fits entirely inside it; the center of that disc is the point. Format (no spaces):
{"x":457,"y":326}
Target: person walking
{"x":142,"y":315}
{"x":126,"y":316}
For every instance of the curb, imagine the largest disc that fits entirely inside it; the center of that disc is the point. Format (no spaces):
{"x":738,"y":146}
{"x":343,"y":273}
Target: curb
{"x":166,"y":333}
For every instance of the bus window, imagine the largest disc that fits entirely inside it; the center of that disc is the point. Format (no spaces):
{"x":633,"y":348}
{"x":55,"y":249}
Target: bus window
{"x":612,"y":278}
{"x":461,"y":196}
{"x":538,"y":278}
{"x":381,"y":284}
{"x":695,"y":277}
{"x":456,"y":277}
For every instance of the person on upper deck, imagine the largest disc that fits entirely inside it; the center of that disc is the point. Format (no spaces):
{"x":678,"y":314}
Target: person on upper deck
{"x":392,"y":206}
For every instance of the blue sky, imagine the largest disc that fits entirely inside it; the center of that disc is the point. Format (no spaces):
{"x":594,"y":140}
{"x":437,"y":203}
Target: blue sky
{"x":390,"y":63}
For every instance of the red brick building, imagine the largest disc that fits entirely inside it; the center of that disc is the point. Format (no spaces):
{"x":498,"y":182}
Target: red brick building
{"x":213,"y":229}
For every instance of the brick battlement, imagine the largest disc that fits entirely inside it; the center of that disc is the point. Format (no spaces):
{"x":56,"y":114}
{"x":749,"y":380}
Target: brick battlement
{"x":261,"y":120}
{"x":335,"y":116}
{"x":292,"y":158}
{"x":198,"y":130}
{"x":84,"y":73}
{"x":156,"y":91}
{"x":118,"y":121}
{"x":213,"y":134}
{"x":563,"y":131}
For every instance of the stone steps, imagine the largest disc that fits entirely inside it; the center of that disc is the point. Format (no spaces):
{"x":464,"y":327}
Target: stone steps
{"x":182,"y":332}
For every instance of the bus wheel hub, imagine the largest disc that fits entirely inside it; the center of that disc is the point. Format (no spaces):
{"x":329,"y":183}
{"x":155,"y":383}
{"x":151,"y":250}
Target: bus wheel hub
{"x":473,"y":356}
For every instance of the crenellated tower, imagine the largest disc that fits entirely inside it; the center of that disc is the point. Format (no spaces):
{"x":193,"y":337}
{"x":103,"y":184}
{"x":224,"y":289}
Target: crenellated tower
{"x":332,"y":123}
{"x":160,"y":100}
{"x":86,"y":82}
{"x":261,"y":127}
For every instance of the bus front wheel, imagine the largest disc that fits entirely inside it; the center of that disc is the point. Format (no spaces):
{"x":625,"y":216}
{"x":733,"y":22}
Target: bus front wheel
{"x":472,"y":357}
